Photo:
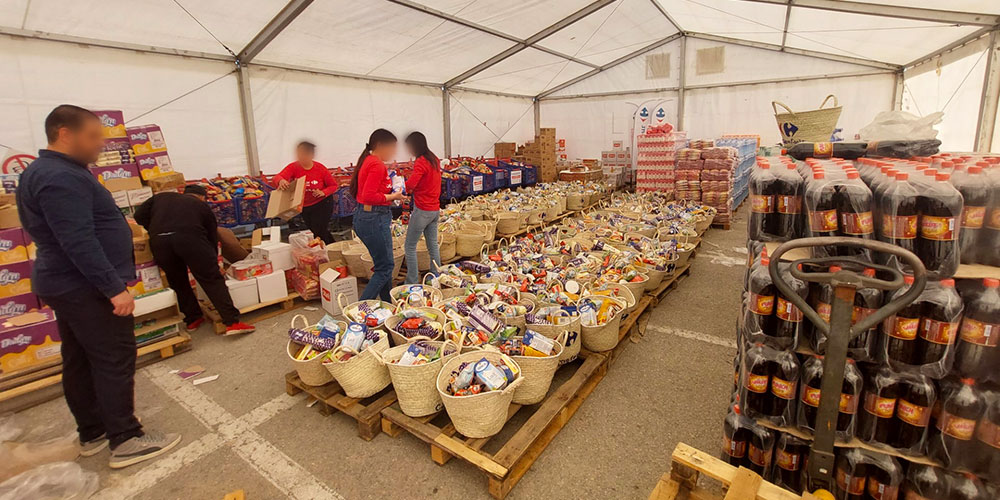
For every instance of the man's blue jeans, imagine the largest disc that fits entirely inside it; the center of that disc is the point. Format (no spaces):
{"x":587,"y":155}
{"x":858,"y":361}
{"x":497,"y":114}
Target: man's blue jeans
{"x":422,"y":222}
{"x":373,"y":228}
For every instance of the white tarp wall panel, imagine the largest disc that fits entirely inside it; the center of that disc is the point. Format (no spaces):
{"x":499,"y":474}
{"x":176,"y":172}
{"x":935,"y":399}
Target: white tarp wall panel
{"x":530,"y":71}
{"x":521,"y":18}
{"x":589,"y":125}
{"x":337,"y":114}
{"x":631,"y":75}
{"x":953,"y":84}
{"x":710,"y":113}
{"x":737,"y":19}
{"x":202,"y":129}
{"x":480,"y":120}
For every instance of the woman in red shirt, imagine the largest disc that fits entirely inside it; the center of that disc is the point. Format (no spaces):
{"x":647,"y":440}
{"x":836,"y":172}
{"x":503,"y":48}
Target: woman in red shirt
{"x":317,"y":206}
{"x":370,"y":186}
{"x":425,"y":186}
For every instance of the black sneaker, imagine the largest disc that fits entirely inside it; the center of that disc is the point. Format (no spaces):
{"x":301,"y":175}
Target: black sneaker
{"x":140,"y":449}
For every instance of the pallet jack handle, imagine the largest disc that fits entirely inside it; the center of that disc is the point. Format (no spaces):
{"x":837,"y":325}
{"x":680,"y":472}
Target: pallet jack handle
{"x":839,"y":330}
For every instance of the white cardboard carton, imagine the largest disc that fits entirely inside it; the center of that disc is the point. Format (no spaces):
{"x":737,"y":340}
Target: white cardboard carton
{"x":331,"y":285}
{"x":243,"y":293}
{"x":271,"y":287}
{"x":272,"y":249}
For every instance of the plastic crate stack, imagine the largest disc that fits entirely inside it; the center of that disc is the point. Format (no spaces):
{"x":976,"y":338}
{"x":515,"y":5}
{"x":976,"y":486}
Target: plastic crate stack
{"x":655,"y":160}
{"x":687,"y":174}
{"x":746,"y":147}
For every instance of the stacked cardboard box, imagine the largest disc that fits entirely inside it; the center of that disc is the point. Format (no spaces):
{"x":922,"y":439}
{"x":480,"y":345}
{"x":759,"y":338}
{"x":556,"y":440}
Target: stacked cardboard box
{"x":542,"y":154}
{"x":655,"y":156}
{"x":504,"y":149}
{"x":617,"y":163}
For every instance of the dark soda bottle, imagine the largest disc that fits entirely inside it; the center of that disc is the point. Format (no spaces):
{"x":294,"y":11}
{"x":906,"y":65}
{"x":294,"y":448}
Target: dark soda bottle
{"x":735,"y":439}
{"x":850,"y":473}
{"x":812,"y":376}
{"x":821,"y":208}
{"x":757,"y":366}
{"x":760,"y":301}
{"x":850,"y":399}
{"x":866,"y":302}
{"x":913,"y":412}
{"x":965,"y":486}
{"x":899,"y":213}
{"x":884,"y":477}
{"x":976,"y":353}
{"x":945,"y":388}
{"x":784,"y":382}
{"x":877,"y":423}
{"x":854,"y":210}
{"x":951,"y":442}
{"x":760,"y":450}
{"x":762,"y":190}
{"x":976,"y":195}
{"x":989,"y":240}
{"x":822,"y":302}
{"x":845,"y":150}
{"x":811,"y":382}
{"x":789,"y":455}
{"x":904,"y":148}
{"x":924,"y":482}
{"x":788,"y":317}
{"x":940,"y":319}
{"x":940,"y":219}
{"x":988,"y":443}
{"x":788,"y":203}
{"x":900,"y":330}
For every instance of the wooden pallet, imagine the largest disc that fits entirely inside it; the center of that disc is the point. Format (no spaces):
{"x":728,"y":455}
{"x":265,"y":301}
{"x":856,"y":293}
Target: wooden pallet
{"x":516,"y":454}
{"x":286,"y":304}
{"x":366,"y":411}
{"x":688,"y":464}
{"x":669,"y":284}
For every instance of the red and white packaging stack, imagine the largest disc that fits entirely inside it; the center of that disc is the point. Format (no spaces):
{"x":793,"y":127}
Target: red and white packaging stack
{"x":717,"y":178}
{"x":655,"y":159}
{"x":687,"y":174}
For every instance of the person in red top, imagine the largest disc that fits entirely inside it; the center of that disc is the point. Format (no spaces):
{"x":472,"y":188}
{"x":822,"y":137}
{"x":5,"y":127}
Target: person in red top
{"x":317,"y":205}
{"x":425,"y":186}
{"x":370,"y":186}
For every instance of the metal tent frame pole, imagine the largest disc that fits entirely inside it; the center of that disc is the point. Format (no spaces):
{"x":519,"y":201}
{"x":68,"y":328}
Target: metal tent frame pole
{"x":988,"y":103}
{"x":899,"y":12}
{"x":247,"y":119}
{"x":446,"y":119}
{"x":682,"y":80}
{"x":537,"y":105}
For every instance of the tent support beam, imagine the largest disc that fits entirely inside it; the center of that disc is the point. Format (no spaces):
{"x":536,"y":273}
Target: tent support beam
{"x":948,"y":48}
{"x":897,"y":91}
{"x":784,"y":31}
{"x":249,"y":125}
{"x":682,"y":80}
{"x":801,"y":52}
{"x":653,"y":46}
{"x":275,"y":26}
{"x":530,"y":41}
{"x":537,"y":104}
{"x":991,"y":95}
{"x":446,"y":119}
{"x":899,"y":12}
{"x":108,"y":44}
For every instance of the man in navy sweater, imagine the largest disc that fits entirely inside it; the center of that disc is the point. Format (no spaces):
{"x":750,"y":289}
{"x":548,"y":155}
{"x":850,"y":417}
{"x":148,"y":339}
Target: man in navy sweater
{"x":84,"y":258}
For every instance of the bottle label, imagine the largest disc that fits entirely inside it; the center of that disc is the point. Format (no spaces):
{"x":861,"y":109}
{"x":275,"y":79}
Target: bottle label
{"x":822,"y":150}
{"x":956,"y":427}
{"x":859,"y":313}
{"x":912,"y":414}
{"x":853,"y":485}
{"x":938,"y":228}
{"x":848,"y":403}
{"x":757,"y":383}
{"x":761,"y":304}
{"x":993,"y":222}
{"x":973,"y":217}
{"x":899,"y":227}
{"x":823,"y":221}
{"x":787,"y":311}
{"x":787,"y":461}
{"x":988,"y":433}
{"x":735,"y":449}
{"x":879,"y":491}
{"x":759,"y":457}
{"x":977,"y":332}
{"x":823,"y":309}
{"x":783,"y":389}
{"x":879,"y":406}
{"x":810,"y":395}
{"x":857,"y":223}
{"x":903,"y":328}
{"x":762,"y":203}
{"x":788,"y":204}
{"x":938,"y":332}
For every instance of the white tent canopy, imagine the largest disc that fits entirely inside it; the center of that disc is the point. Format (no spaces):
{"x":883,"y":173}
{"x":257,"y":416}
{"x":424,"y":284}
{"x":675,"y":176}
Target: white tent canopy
{"x":234,"y":83}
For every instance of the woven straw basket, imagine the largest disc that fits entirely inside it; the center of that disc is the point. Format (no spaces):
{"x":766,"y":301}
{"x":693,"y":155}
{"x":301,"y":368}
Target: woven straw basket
{"x":311,"y":371}
{"x":551,"y":212}
{"x":364,"y":374}
{"x":807,"y":126}
{"x":508,"y":223}
{"x":480,"y":415}
{"x":537,"y":373}
{"x":490,"y":226}
{"x":470,"y":238}
{"x":398,"y":255}
{"x":603,"y":337}
{"x":518,"y":320}
{"x":415,"y":385}
{"x":399,"y":339}
{"x":565,"y":324}
{"x":336,"y":249}
{"x":447,"y":246}
{"x":431,"y":295}
{"x":576,"y":201}
{"x":637,"y":289}
{"x":351,"y":312}
{"x":352,"y":255}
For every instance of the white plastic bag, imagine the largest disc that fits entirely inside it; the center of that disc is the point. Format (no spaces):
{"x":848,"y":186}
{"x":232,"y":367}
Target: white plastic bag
{"x":60,"y":480}
{"x":900,"y":125}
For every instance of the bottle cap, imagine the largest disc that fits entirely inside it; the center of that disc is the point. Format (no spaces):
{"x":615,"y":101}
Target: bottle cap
{"x":976,"y":170}
{"x":790,"y":166}
{"x":784,"y":151}
{"x":948,"y":164}
{"x":948,"y":283}
{"x":835,"y":269}
{"x":907,"y":279}
{"x":922,"y":166}
{"x":942,"y":177}
{"x":982,"y":164}
{"x":968,"y":381}
{"x":852,"y":174}
{"x":902,"y":176}
{"x":818,"y":175}
{"x":869,"y":272}
{"x":765,"y":260}
{"x":930,"y":172}
{"x":764,"y":165}
{"x":736,"y":407}
{"x":991,"y":283}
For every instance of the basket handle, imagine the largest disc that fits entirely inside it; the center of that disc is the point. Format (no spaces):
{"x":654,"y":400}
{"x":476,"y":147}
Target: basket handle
{"x":341,"y":302}
{"x":418,"y":337}
{"x":562,"y":337}
{"x":483,"y":254}
{"x":775,"y":104}
{"x":444,"y":345}
{"x":831,"y":96}
{"x":304,"y":320}
{"x":342,"y":348}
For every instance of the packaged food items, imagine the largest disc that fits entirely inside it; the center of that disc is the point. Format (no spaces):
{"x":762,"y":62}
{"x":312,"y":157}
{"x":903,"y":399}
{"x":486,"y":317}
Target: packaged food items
{"x":250,"y":268}
{"x":922,"y":335}
{"x":976,"y":354}
{"x":418,"y":323}
{"x":374,"y":314}
{"x":951,"y":441}
{"x":482,"y":376}
{"x":421,"y":353}
{"x":850,"y":396}
{"x":314,"y":340}
{"x":307,"y":287}
{"x":862,"y":474}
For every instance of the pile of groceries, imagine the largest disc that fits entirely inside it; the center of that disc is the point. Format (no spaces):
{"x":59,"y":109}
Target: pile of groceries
{"x":420,"y":352}
{"x":919,"y":413}
{"x":479,"y":377}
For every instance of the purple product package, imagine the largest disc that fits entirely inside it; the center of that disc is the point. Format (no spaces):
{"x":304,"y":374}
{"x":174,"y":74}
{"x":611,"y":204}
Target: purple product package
{"x":112,"y":122}
{"x":28,"y":340}
{"x":15,"y":278}
{"x":115,"y":172}
{"x":153,"y":164}
{"x":18,"y":304}
{"x":13,"y":245}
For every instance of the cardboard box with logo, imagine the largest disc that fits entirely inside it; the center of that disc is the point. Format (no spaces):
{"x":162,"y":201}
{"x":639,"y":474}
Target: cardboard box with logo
{"x":13,"y":245}
{"x":147,"y":280}
{"x":331,"y":285}
{"x":15,"y":278}
{"x":140,"y":244}
{"x":28,"y":340}
{"x":18,"y":304}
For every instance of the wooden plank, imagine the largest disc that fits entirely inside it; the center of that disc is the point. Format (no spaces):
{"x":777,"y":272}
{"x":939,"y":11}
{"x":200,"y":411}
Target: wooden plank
{"x":666,"y":489}
{"x":460,"y":450}
{"x":332,"y":398}
{"x":250,"y":309}
{"x":715,"y":468}
{"x":744,"y":486}
{"x":30,"y":387}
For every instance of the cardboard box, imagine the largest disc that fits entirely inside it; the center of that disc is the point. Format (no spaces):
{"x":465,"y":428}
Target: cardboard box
{"x":15,"y":278}
{"x":28,"y":340}
{"x":271,"y":287}
{"x":123,"y":183}
{"x":331,"y":285}
{"x":147,"y":280}
{"x":9,"y":217}
{"x":146,"y":139}
{"x":504,"y":149}
{"x":272,"y":249}
{"x":287,"y":203}
{"x":112,"y":123}
{"x":125,"y":171}
{"x":153,"y":164}
{"x":243,"y":293}
{"x":171,"y":181}
{"x":156,"y":301}
{"x":137,"y":196}
{"x":13,"y":245}
{"x":18,"y":304}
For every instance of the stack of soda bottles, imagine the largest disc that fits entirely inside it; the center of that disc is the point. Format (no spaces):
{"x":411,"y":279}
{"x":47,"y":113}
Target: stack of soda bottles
{"x":924,"y":384}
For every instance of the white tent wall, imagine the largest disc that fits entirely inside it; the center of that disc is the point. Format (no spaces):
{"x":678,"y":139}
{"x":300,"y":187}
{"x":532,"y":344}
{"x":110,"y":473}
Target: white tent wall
{"x":631,"y":75}
{"x":590,"y":124}
{"x":480,"y":120}
{"x":952,"y":83}
{"x":202,"y":129}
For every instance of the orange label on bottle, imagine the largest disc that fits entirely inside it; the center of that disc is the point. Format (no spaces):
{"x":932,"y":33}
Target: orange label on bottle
{"x":757,"y":383}
{"x":823,"y":221}
{"x":993,"y":221}
{"x":853,"y":485}
{"x":879,"y":406}
{"x":822,"y":150}
{"x":988,"y":433}
{"x":787,"y":461}
{"x":879,"y":491}
{"x":938,"y":228}
{"x":956,"y":427}
{"x":823,"y":309}
{"x":783,"y":389}
{"x":912,"y":414}
{"x":903,"y":328}
{"x":938,"y":332}
{"x":761,"y":304}
{"x":848,"y":403}
{"x":859,"y":313}
{"x":973,"y":217}
{"x":787,"y":311}
{"x":977,"y":332}
{"x":759,"y":456}
{"x":788,"y":204}
{"x":762,"y":203}
{"x":810,"y":395}
{"x":857,"y":223}
{"x":735,"y":449}
{"x":900,"y":227}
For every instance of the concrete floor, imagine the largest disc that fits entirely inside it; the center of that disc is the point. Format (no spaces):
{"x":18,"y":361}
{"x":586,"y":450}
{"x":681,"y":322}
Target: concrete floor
{"x":242,"y":431}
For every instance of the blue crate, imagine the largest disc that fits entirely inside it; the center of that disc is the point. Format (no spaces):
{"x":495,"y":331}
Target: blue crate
{"x":251,"y":210}
{"x":225,"y":212}
{"x":500,"y":175}
{"x":452,"y":188}
{"x":345,"y":202}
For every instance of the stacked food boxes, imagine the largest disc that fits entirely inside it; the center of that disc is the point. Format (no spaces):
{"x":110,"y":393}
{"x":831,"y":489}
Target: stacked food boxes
{"x":719,"y":164}
{"x":616,"y":163}
{"x":149,"y":150}
{"x":504,"y":149}
{"x":116,"y":160}
{"x":688,"y":174}
{"x":542,"y":154}
{"x":655,"y":160}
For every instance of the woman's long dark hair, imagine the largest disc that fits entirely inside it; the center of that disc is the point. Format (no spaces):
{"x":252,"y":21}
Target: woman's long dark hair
{"x":378,"y":137}
{"x":418,"y":143}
